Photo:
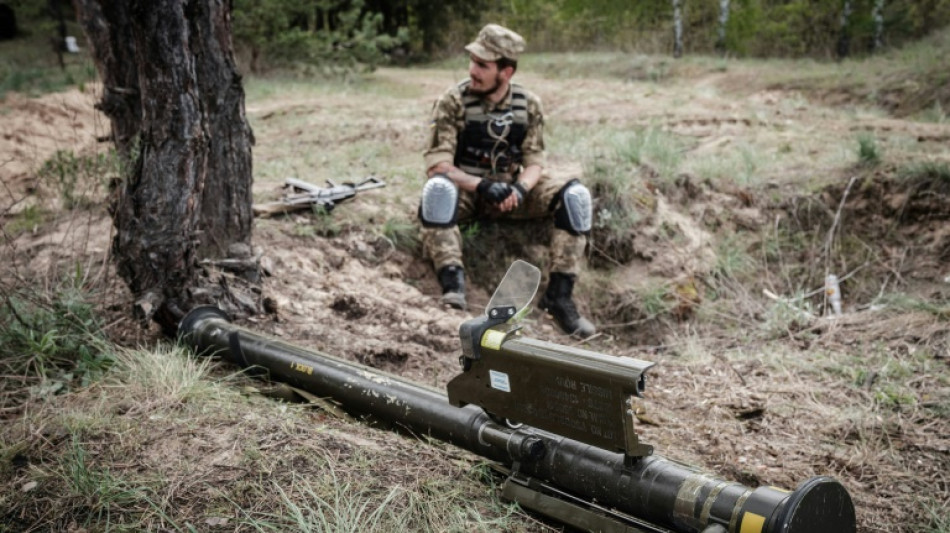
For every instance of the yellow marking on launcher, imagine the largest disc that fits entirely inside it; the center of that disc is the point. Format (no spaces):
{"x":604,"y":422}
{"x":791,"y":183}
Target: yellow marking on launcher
{"x":752,"y":523}
{"x":492,"y":339}
{"x":303,"y":369}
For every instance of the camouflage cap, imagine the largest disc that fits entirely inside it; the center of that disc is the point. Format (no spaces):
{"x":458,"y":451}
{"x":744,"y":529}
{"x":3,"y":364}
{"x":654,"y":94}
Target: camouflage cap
{"x":495,"y":42}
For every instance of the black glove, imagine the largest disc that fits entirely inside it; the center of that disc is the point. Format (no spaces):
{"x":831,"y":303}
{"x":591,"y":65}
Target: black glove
{"x":493,"y":191}
{"x":520,"y":191}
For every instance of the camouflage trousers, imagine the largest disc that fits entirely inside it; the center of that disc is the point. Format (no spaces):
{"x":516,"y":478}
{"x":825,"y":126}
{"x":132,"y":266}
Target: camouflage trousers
{"x":444,"y":245}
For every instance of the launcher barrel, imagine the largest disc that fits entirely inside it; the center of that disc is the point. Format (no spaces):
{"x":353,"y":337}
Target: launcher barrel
{"x":586,"y":486}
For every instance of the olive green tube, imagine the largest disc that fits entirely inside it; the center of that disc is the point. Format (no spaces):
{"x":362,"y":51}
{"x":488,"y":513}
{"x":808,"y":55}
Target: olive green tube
{"x":664,"y":493}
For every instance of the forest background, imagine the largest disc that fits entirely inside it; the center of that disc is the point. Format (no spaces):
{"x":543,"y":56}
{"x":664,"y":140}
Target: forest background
{"x":280,"y":33}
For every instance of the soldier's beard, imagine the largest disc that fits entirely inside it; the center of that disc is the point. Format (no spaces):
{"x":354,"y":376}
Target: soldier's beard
{"x":482,"y":92}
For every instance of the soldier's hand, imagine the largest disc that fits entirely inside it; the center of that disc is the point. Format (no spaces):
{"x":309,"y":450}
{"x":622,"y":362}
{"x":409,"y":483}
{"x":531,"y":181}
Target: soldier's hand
{"x":520,"y":192}
{"x":494,"y":192}
{"x":515,"y":199}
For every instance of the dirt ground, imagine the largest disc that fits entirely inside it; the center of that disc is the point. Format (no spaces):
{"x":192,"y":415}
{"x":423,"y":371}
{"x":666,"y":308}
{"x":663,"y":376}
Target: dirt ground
{"x":759,"y":408}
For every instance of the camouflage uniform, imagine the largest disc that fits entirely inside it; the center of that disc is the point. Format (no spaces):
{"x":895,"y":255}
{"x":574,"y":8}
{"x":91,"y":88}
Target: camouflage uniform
{"x":444,"y":244}
{"x":485,"y":146}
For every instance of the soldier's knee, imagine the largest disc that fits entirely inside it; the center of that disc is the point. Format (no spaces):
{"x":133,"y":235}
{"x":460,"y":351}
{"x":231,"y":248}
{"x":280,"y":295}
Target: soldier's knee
{"x":574,"y":212}
{"x":439,"y":206}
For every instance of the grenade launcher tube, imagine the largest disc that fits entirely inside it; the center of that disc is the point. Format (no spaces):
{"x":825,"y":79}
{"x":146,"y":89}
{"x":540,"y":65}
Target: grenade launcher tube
{"x":653,"y":489}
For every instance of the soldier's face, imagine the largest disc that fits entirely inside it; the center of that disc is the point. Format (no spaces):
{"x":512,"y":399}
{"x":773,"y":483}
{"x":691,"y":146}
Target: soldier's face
{"x":484,"y":75}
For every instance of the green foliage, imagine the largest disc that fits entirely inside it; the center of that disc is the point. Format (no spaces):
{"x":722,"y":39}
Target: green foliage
{"x":403,"y":234}
{"x":656,"y":300}
{"x":573,"y":25}
{"x":939,"y":309}
{"x":654,"y":148}
{"x":894,"y":397}
{"x":621,"y":200}
{"x":29,"y":219}
{"x":935,"y":113}
{"x":787,"y":314}
{"x":868,"y":152}
{"x":341,"y":502}
{"x":96,"y":489}
{"x":732,"y":259}
{"x":792,"y":28}
{"x":322,"y":223}
{"x":470,"y":231}
{"x":743,"y":25}
{"x":30,"y":63}
{"x":939,"y":513}
{"x":56,"y":337}
{"x":346,"y":509}
{"x":927,"y":170}
{"x":433,"y":27}
{"x":336,"y":36}
{"x":37,"y":80}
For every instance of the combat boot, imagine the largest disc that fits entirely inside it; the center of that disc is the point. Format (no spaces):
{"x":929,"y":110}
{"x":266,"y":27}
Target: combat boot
{"x":452,"y":280}
{"x":557,"y":301}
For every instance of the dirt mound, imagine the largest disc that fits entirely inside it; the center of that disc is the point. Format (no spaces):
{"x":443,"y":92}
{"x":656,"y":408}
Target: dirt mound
{"x":36,"y":128}
{"x":888,"y":226}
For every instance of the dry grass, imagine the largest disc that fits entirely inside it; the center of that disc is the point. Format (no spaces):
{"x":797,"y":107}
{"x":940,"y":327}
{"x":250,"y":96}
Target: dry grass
{"x":167,"y":441}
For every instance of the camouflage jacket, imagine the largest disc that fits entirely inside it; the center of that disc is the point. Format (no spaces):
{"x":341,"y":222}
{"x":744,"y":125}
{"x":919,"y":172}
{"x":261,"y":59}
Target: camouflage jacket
{"x":448,"y":121}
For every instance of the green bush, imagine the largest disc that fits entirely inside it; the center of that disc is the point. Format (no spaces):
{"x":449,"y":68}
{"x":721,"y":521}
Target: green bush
{"x":869,"y":154}
{"x":55,"y":336}
{"x":336,"y":36}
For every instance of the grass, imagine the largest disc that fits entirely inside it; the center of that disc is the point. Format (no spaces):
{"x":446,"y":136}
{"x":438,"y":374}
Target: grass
{"x":55,"y":337}
{"x":940,"y":514}
{"x":650,"y":147}
{"x":345,"y":509}
{"x":165,"y":441}
{"x":29,"y":66}
{"x":939,"y":171}
{"x":742,"y":165}
{"x":936,"y":114}
{"x":732,"y":259}
{"x":107,"y":498}
{"x":628,"y":67}
{"x":28,"y":220}
{"x":869,"y":154}
{"x":163,"y":375}
{"x":403,"y":234}
{"x":938,"y":308}
{"x":79,"y":180}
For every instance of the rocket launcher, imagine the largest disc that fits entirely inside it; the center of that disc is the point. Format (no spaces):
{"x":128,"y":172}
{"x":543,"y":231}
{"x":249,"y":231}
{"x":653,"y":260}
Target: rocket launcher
{"x":555,"y":420}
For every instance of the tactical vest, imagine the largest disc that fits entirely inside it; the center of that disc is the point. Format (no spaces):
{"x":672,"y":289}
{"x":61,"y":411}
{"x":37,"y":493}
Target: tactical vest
{"x":491,"y":143}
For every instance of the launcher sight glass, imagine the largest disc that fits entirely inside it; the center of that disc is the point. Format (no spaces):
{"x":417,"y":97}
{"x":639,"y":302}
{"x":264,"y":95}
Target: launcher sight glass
{"x":579,"y":394}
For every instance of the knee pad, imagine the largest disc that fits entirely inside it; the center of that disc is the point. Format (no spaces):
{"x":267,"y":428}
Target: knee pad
{"x":440,"y":198}
{"x":574,"y":212}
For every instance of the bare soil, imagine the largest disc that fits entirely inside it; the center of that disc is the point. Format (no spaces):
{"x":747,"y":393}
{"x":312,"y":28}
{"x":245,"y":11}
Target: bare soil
{"x":753,"y":404}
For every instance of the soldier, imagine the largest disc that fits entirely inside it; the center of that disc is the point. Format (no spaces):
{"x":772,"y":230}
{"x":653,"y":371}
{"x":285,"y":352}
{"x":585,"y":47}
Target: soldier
{"x":486,"y":155}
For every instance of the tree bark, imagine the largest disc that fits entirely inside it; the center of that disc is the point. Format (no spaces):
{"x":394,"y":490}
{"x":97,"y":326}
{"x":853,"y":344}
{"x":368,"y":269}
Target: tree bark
{"x":175,"y":101}
{"x":723,"y":24}
{"x":678,"y":28}
{"x":844,"y":28}
{"x":877,"y":15}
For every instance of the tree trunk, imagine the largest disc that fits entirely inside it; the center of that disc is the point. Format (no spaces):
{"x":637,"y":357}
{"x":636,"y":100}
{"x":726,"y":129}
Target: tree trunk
{"x":177,"y":110}
{"x":677,"y":28}
{"x":723,"y":23}
{"x":877,"y":15}
{"x":844,"y":35}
